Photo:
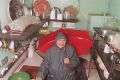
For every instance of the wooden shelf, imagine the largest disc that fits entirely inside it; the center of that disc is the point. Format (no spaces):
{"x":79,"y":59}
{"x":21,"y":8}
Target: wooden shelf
{"x":68,"y":20}
{"x":102,"y":14}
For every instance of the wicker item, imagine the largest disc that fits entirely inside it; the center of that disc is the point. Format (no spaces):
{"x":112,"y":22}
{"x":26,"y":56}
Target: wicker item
{"x":16,"y":9}
{"x":23,"y":22}
{"x":72,"y":10}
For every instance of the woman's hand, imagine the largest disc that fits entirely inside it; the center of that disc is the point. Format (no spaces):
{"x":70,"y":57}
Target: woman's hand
{"x":66,"y":61}
{"x":38,"y":78}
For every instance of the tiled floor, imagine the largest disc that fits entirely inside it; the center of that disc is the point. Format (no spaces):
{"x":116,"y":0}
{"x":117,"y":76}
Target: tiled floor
{"x":93,"y":75}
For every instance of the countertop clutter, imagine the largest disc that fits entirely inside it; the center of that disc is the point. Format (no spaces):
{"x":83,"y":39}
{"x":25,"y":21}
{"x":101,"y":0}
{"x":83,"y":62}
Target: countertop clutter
{"x":32,"y":29}
{"x":13,"y":56}
{"x":12,"y":66}
{"x":23,"y":62}
{"x":105,"y":55}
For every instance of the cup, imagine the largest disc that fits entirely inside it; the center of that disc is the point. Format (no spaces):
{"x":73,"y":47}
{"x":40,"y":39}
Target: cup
{"x":104,"y":33}
{"x":30,"y":52}
{"x":110,"y":39}
{"x":107,"y":49}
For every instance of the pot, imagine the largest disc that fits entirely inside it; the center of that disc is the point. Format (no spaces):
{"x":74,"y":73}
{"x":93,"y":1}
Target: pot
{"x":66,"y":15}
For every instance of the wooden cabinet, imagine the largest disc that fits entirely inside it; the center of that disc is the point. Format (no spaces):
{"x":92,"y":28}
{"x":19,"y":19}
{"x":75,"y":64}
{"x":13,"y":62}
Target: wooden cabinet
{"x":105,"y":60}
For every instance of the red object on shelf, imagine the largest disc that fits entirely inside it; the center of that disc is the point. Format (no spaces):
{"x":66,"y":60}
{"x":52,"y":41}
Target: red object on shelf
{"x":80,"y":39}
{"x":41,"y":6}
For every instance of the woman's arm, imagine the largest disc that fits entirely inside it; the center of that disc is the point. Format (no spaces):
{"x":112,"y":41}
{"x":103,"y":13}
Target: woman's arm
{"x":73,"y":58}
{"x":44,"y":68}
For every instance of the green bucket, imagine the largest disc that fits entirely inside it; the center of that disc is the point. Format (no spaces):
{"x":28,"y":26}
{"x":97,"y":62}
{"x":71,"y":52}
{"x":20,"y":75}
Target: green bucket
{"x":19,"y":76}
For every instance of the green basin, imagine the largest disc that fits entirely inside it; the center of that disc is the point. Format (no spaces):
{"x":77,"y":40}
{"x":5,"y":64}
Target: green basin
{"x":19,"y":76}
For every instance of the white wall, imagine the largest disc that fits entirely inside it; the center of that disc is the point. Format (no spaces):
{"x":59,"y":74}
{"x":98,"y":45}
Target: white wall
{"x":93,"y":6}
{"x":114,"y":8}
{"x":4,"y":13}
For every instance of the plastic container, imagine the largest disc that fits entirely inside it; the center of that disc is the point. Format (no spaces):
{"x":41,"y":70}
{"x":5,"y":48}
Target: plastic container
{"x":19,"y":76}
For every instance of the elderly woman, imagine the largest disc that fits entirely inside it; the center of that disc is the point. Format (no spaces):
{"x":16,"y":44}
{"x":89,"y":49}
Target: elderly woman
{"x":60,"y":61}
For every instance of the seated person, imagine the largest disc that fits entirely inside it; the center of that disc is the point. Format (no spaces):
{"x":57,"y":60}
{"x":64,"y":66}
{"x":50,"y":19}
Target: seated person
{"x":60,"y":61}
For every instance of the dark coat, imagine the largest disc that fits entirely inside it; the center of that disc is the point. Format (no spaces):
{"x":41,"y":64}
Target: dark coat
{"x":53,"y":67}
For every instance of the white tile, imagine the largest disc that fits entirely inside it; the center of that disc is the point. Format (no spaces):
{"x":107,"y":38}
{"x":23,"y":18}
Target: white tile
{"x":93,"y":75}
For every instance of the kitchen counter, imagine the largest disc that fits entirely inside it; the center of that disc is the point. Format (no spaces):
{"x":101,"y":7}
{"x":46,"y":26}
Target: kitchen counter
{"x":15,"y":66}
{"x":35,"y":60}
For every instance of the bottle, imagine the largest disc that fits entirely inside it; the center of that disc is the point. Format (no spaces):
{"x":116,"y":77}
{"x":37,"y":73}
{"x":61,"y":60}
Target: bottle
{"x":30,"y":51}
{"x":12,"y":46}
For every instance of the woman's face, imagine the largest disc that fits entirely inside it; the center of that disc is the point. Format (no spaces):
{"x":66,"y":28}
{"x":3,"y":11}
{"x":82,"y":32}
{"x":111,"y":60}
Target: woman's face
{"x":61,"y":43}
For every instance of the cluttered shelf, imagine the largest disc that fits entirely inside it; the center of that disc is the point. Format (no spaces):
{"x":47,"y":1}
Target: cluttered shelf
{"x":10,"y":60}
{"x":105,"y":54}
{"x":14,"y":56}
{"x":107,"y":36}
{"x":26,"y":34}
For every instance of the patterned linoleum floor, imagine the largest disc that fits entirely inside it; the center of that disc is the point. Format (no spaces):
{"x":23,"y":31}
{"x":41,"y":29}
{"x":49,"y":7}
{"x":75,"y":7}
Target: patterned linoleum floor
{"x":93,"y":75}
